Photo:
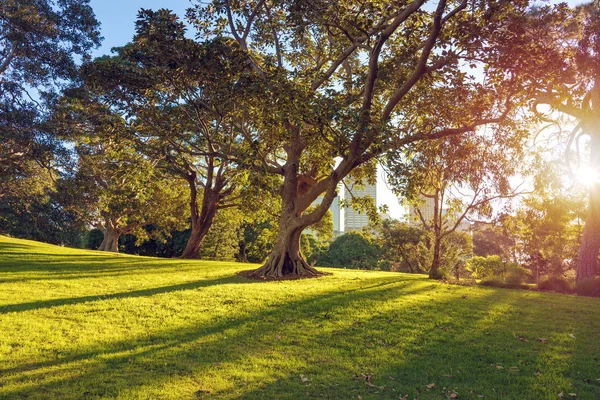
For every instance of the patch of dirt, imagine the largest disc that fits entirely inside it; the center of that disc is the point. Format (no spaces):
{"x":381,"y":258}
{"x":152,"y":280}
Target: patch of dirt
{"x":291,"y":277}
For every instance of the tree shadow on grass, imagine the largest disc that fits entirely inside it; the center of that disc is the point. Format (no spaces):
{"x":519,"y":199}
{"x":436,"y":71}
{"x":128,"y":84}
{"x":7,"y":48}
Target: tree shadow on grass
{"x":485,"y":348}
{"x":36,"y":305}
{"x":190,"y":353}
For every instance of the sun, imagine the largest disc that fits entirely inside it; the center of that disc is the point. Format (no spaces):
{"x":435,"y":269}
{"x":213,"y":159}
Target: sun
{"x":587,"y":176}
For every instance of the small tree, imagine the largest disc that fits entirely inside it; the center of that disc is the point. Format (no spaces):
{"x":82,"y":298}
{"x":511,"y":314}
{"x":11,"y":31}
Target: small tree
{"x":456,"y":178}
{"x":404,"y":244}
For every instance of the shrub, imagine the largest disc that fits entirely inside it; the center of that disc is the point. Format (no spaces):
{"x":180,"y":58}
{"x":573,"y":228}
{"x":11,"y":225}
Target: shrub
{"x":588,"y":287}
{"x":494,"y":281}
{"x":511,"y":281}
{"x":439,"y":274}
{"x":514,"y":281}
{"x":354,"y":250}
{"x":555,"y":284}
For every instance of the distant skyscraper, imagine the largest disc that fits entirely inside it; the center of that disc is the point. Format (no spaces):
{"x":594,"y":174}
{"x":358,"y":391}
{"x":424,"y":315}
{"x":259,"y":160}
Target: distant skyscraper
{"x":335,"y":210}
{"x":355,"y":220}
{"x":336,"y":215}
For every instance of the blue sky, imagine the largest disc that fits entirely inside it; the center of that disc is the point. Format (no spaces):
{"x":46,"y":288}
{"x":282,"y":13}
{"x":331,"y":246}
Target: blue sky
{"x":117,"y":18}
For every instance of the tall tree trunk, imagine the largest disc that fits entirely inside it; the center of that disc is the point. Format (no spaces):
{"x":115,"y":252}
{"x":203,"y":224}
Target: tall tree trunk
{"x":286,"y":258}
{"x":201,"y":222}
{"x":195,"y":241}
{"x":437,"y":223}
{"x":587,"y":261}
{"x":110,"y":242}
{"x":435,"y":262}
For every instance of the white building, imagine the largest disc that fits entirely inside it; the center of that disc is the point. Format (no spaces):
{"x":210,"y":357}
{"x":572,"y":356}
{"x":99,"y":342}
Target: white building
{"x":426,"y":207}
{"x":353,"y":219}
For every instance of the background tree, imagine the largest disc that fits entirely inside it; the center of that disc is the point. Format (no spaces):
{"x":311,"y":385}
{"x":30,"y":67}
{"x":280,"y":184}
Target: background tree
{"x":460,"y":177}
{"x":31,"y":208}
{"x":344,"y":79}
{"x":578,"y":41}
{"x":39,"y":43}
{"x":357,"y":250}
{"x":119,"y":191}
{"x":493,"y":240}
{"x":166,"y":83}
{"x":405,"y":245}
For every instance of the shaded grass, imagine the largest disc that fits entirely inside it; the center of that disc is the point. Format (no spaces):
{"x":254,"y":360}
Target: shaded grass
{"x":83,"y":324}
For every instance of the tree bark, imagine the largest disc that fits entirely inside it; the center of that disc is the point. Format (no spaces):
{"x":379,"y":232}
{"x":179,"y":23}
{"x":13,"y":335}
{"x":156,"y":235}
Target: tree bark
{"x":110,"y":242}
{"x":195,"y":241}
{"x":589,"y":249}
{"x":201,"y":222}
{"x":435,"y":263}
{"x":587,"y":261}
{"x":286,"y":259}
{"x":438,"y":222}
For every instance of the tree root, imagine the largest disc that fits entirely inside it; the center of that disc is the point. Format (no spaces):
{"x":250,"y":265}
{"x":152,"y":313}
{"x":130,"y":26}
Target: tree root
{"x":283,"y":267}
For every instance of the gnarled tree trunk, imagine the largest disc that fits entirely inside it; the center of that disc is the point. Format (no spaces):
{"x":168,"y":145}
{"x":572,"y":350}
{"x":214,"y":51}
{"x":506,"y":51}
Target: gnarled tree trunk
{"x":286,"y":258}
{"x":297,"y":193}
{"x":112,"y":229}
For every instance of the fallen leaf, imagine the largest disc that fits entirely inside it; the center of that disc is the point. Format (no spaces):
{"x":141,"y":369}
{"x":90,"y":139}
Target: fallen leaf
{"x":560,"y":395}
{"x":303,"y":378}
{"x":392,"y":378}
{"x":374,"y":386}
{"x":572,"y":395}
{"x":201,"y":391}
{"x":543,"y":340}
{"x":571,"y":335}
{"x":358,"y":398}
{"x":538,"y":373}
{"x":431,"y":385}
{"x":453,"y":395}
{"x":522,"y":338}
{"x":499,"y":367}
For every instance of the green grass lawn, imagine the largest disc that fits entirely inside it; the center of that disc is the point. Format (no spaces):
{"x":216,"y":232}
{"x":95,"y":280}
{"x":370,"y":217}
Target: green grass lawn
{"x":86,"y":324}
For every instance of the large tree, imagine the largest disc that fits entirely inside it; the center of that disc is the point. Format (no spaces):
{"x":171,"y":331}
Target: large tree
{"x":40,"y":41}
{"x":179,"y":96}
{"x":338,"y":82}
{"x":578,"y":39}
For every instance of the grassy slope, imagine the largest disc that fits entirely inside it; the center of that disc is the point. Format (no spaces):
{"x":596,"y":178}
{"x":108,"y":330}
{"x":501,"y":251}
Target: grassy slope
{"x":84,"y":324}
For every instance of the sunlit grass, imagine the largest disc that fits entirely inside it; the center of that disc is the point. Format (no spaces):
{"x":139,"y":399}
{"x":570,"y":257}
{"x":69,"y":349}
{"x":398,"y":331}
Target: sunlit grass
{"x":84,"y":324}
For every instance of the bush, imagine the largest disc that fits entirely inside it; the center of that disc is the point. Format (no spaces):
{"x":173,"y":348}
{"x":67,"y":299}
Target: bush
{"x":512,"y":280}
{"x":555,"y":284}
{"x":354,"y":250}
{"x":482,"y":267}
{"x":439,"y":274}
{"x":588,"y":287}
{"x":494,"y":281}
